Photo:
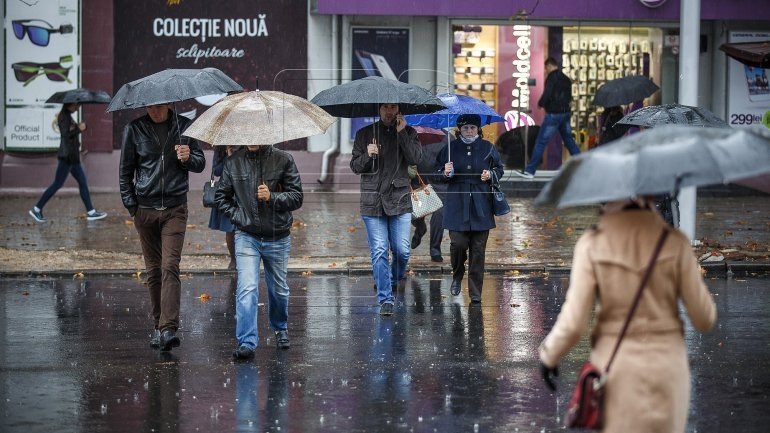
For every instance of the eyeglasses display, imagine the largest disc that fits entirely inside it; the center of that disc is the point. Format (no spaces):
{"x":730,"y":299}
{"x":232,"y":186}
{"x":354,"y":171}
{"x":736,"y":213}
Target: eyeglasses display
{"x":26,"y":72}
{"x":38,"y":34}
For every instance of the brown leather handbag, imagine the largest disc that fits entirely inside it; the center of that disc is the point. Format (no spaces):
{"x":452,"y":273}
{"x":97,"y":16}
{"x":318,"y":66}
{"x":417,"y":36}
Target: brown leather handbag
{"x":586,"y":406}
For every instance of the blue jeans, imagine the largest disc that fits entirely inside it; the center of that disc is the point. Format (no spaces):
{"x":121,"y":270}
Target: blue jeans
{"x":249,"y":250}
{"x":386,"y":233}
{"x":553,"y":122}
{"x":62,"y":170}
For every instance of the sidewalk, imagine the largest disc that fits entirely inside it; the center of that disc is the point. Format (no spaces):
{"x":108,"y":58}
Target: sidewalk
{"x":329,"y":236}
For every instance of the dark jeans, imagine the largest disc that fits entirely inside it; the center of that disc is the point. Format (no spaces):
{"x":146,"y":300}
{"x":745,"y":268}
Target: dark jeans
{"x":62,"y":170}
{"x":161,"y":233}
{"x":436,"y":231}
{"x":476,"y":242}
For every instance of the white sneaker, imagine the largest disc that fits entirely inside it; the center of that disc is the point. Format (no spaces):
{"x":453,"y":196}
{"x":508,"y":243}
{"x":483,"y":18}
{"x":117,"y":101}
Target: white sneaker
{"x":95,"y":216}
{"x":523,"y":174}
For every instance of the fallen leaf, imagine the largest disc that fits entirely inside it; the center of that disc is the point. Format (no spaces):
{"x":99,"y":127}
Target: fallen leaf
{"x":128,"y":222}
{"x":137,"y":274}
{"x":306,"y":273}
{"x":515,"y":305}
{"x":204,"y":297}
{"x":352,"y":229}
{"x":333,"y":265}
{"x":191,"y":226}
{"x":78,"y":275}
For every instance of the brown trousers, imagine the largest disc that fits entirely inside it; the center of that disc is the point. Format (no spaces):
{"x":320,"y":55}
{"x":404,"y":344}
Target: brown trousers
{"x":161,"y":233}
{"x":476,"y":243}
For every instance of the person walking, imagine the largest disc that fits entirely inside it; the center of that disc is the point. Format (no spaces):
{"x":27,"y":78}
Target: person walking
{"x":68,"y":157}
{"x":426,"y":171}
{"x":382,"y":153}
{"x":648,"y":386}
{"x":259,"y":188}
{"x":468,"y":213}
{"x":218,"y":220}
{"x":555,"y":100}
{"x":155,"y":162}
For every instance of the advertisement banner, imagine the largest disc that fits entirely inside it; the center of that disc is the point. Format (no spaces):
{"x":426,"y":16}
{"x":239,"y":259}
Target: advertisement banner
{"x":253,"y":42}
{"x":42,"y":57}
{"x":378,"y":51}
{"x":749,"y":88}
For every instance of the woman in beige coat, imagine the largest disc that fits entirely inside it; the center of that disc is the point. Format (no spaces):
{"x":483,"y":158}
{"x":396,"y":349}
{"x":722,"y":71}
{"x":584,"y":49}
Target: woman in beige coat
{"x":648,"y":387}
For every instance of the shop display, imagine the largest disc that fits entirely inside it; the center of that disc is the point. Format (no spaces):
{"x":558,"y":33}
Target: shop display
{"x":590,"y":59}
{"x":474,"y":63}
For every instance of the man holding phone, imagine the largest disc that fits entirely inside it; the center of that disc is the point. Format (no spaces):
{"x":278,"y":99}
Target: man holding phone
{"x":382,"y":154}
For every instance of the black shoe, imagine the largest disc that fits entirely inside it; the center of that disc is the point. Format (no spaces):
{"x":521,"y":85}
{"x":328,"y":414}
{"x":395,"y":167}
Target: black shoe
{"x":37,"y":215}
{"x":243,"y":352}
{"x":475,"y":302}
{"x":155,"y":339}
{"x":168,"y":340}
{"x":282,"y":339}
{"x":416,"y":240}
{"x":386,"y":309}
{"x":437,"y":259}
{"x":456,"y":287}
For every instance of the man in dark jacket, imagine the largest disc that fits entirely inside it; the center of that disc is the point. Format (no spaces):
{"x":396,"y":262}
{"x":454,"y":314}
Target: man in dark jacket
{"x":259,"y":188}
{"x":154,"y":165}
{"x":555,"y":101}
{"x":382,"y":154}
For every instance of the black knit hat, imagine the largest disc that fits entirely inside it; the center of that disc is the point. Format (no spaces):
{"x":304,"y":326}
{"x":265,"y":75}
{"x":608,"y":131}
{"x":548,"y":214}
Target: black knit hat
{"x":469,"y":119}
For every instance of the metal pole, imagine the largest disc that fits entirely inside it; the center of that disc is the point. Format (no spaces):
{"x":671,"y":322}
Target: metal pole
{"x":689,"y":53}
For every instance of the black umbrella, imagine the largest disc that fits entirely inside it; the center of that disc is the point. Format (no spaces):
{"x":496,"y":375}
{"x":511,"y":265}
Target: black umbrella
{"x":80,"y":96}
{"x":624,"y":90}
{"x":657,"y":115}
{"x":172,"y":85}
{"x":360,"y":98}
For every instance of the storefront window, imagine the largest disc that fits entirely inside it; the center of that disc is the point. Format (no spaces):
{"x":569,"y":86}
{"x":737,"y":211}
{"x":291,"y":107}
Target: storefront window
{"x":503,"y":66}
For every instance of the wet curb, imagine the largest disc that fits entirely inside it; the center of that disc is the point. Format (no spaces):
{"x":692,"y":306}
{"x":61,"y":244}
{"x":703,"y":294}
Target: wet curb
{"x":722,"y":269}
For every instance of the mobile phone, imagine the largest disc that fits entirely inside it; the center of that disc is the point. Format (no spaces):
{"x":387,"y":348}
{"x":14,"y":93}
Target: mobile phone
{"x":759,"y":87}
{"x":366,"y":63}
{"x":383,"y":67}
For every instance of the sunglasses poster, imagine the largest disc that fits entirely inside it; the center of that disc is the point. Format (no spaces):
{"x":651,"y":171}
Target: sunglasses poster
{"x":42,"y":57}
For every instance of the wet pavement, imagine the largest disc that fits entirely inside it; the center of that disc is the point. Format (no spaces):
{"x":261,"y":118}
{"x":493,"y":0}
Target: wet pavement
{"x":329,"y":235}
{"x":74,"y":357}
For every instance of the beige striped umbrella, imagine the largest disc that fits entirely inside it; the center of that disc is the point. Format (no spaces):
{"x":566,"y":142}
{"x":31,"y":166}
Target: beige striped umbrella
{"x":259,"y":118}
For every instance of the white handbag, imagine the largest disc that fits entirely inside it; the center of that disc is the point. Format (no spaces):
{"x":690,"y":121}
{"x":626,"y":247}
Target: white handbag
{"x":425,"y":200}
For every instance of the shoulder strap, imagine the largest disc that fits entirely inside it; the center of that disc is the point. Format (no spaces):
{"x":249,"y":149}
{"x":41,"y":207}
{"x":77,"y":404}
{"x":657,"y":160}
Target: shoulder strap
{"x":638,"y":296}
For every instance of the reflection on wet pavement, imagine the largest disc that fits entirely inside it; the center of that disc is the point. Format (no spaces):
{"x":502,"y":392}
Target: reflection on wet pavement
{"x":74,"y":356}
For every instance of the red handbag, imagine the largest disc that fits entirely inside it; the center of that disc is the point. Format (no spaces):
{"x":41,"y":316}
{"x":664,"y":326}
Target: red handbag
{"x":586,"y":406}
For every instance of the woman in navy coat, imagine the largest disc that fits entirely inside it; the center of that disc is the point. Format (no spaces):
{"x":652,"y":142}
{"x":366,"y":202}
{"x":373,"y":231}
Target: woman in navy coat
{"x":467,"y":164}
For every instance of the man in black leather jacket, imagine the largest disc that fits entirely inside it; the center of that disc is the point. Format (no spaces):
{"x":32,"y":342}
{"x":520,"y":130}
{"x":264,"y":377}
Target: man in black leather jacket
{"x":259,"y":188}
{"x":154,"y":165}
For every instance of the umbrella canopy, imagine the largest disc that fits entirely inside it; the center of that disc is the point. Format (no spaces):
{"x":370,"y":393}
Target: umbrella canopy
{"x":172,"y":85}
{"x":80,"y":96}
{"x":657,"y":161}
{"x":756,"y":54}
{"x":429,"y":135}
{"x":456,"y":105}
{"x":259,"y":118}
{"x":622,"y":91}
{"x":656,"y":115}
{"x":361,"y":98}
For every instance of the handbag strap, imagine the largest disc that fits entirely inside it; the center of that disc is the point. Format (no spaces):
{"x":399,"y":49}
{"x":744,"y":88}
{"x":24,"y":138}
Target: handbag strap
{"x":638,"y":296}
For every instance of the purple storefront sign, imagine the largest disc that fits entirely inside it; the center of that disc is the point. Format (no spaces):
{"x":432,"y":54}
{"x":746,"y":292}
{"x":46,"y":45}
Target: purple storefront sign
{"x":551,"y":9}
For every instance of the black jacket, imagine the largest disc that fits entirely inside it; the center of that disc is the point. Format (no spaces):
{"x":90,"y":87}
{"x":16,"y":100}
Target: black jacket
{"x":385,"y":179}
{"x":151,"y":175}
{"x":557,"y":93}
{"x":69,"y":144}
{"x":236,"y":196}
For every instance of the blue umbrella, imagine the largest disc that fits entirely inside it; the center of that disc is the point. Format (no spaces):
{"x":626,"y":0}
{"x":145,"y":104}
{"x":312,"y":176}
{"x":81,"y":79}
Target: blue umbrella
{"x":456,"y":106}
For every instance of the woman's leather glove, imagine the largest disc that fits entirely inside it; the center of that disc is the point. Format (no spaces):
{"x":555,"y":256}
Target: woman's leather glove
{"x":548,"y":375}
